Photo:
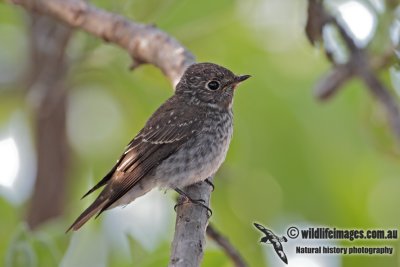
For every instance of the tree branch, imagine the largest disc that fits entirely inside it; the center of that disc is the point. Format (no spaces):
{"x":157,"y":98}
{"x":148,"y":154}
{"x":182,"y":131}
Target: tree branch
{"x":224,"y":243}
{"x":359,"y":64}
{"x":379,"y":90}
{"x":47,"y":95}
{"x":191,"y":223}
{"x":328,"y":85}
{"x":145,"y":43}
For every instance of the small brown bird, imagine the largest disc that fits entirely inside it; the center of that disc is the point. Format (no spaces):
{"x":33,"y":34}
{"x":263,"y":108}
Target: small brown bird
{"x":184,"y":142}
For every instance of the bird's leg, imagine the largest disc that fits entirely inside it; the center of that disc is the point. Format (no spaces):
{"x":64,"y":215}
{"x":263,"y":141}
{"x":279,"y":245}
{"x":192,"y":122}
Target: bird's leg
{"x":210,"y":184}
{"x":194,"y":201}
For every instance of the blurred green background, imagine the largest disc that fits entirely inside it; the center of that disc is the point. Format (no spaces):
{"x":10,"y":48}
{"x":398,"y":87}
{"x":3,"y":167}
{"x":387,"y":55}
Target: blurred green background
{"x":293,"y":160}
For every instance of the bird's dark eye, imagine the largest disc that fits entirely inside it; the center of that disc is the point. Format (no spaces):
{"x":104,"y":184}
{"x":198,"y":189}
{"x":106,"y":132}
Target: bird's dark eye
{"x":213,"y":85}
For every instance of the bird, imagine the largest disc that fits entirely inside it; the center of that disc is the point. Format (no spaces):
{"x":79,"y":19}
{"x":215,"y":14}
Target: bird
{"x":185,"y":141}
{"x":271,"y":238}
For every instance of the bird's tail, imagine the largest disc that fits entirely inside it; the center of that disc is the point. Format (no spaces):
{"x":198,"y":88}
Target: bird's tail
{"x":96,"y":207}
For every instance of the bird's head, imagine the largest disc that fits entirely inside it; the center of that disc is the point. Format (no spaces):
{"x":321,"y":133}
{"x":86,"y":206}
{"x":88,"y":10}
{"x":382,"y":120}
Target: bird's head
{"x":209,"y":84}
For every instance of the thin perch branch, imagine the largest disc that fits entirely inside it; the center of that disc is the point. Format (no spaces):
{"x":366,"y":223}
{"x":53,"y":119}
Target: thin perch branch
{"x":191,"y":223}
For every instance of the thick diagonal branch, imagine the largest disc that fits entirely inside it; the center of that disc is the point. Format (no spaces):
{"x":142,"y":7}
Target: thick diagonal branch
{"x":145,"y":43}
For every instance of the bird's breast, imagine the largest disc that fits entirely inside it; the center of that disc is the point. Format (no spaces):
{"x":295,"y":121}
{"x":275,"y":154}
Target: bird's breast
{"x":201,"y":156}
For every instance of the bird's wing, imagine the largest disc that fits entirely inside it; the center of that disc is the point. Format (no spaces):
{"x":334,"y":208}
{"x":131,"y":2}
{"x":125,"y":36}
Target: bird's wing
{"x":165,"y":132}
{"x":266,"y":231}
{"x":259,"y":227}
{"x":279,"y":250}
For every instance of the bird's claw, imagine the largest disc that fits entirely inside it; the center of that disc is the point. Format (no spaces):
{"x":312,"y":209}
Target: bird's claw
{"x":200,"y":202}
{"x":210,"y":184}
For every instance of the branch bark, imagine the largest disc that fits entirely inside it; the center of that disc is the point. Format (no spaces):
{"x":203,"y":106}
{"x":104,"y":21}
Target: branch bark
{"x":145,"y":44}
{"x":190,"y":228}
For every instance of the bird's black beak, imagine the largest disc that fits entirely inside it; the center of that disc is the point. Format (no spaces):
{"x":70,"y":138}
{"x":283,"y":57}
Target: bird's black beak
{"x":241,"y":78}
